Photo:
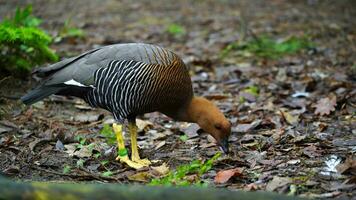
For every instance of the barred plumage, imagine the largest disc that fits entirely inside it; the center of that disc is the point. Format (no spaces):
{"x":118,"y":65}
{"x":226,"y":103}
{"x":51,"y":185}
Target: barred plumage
{"x":130,"y":88}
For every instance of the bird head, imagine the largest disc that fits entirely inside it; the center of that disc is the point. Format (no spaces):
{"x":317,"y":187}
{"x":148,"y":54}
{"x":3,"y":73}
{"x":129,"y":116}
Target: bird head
{"x":208,"y":116}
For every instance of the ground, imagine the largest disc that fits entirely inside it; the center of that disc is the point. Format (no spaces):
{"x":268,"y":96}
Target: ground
{"x":286,"y":135}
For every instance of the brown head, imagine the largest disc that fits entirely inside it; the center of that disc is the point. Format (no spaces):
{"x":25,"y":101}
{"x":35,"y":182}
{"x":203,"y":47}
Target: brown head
{"x":210,"y":119}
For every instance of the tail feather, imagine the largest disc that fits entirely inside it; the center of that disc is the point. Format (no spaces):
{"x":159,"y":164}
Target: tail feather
{"x":39,"y":93}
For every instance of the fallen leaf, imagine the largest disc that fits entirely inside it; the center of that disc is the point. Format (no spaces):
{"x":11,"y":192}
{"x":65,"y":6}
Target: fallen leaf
{"x":140,"y":177}
{"x":190,"y":130}
{"x":293,"y":162}
{"x":325,"y":105}
{"x":225,"y":175}
{"x":277,"y":182}
{"x":247,"y":96}
{"x":161,"y":170}
{"x":216,"y":96}
{"x":348,"y":166}
{"x":243,"y":128}
{"x":4,"y":129}
{"x":7,"y":126}
{"x":70,"y":148}
{"x":251,"y":187}
{"x":291,"y":119}
{"x":88,"y":117}
{"x":311,"y":151}
{"x":331,"y":162}
{"x":39,"y":105}
{"x":143,"y":125}
{"x":160,"y":144}
{"x":84,"y":152}
{"x":59,"y":145}
{"x":37,"y":142}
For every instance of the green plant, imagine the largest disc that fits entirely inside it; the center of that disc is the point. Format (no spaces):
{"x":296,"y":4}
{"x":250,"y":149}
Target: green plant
{"x":180,"y":177}
{"x":69,"y":31}
{"x":108,"y":134}
{"x":23,"y":44}
{"x":252,"y":90}
{"x":267,"y":47}
{"x":104,"y":162}
{"x":80,"y":163}
{"x":184,"y":137}
{"x":82,"y":141}
{"x":66,"y":169}
{"x":175,"y":30}
{"x":107,"y":173}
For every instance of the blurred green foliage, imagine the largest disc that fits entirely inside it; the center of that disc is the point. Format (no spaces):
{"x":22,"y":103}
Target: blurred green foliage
{"x":23,"y":44}
{"x":69,"y":31}
{"x":180,"y":177}
{"x":252,"y":90}
{"x":109,"y":134}
{"x":266,"y":47}
{"x":176,"y":30}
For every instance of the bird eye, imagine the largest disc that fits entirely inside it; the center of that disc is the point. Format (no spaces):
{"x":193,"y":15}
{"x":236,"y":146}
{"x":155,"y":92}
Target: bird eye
{"x":218,"y":126}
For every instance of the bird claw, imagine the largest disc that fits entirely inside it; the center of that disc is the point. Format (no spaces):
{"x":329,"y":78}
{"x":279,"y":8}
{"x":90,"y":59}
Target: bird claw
{"x":137,"y":164}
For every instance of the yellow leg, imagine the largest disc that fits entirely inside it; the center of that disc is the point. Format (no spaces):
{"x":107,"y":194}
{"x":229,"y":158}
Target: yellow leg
{"x":135,"y":155}
{"x":123,"y":157}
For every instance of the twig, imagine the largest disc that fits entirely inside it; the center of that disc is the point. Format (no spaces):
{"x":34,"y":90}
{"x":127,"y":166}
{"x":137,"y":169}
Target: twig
{"x":5,"y":78}
{"x":87,"y":175}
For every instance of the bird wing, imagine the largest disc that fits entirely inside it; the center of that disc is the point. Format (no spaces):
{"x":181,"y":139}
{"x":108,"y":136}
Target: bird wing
{"x":82,"y":67}
{"x":78,"y":72}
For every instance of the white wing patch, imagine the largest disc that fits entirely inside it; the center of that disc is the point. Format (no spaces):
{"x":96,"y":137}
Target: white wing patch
{"x":75,"y":83}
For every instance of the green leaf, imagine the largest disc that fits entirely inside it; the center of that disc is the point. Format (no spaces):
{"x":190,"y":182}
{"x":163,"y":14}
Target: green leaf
{"x":80,"y":163}
{"x":175,"y":29}
{"x":66,"y":169}
{"x":252,"y":90}
{"x":107,"y":174}
{"x":184,"y":137}
{"x":178,"y":177}
{"x":108,"y":133}
{"x":104,"y":162}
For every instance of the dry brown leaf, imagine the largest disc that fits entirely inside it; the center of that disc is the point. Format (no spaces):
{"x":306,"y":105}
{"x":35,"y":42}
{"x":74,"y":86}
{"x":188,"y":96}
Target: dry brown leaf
{"x":243,"y":128}
{"x":143,"y":125}
{"x":251,"y":187}
{"x":348,"y":166}
{"x":161,"y":170}
{"x":225,"y":175}
{"x":291,"y":119}
{"x":160,"y":144}
{"x":140,"y":177}
{"x":277,"y":182}
{"x":325,"y":105}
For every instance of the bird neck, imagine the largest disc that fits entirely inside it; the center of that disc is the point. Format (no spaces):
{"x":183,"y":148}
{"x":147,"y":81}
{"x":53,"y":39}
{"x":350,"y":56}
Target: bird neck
{"x":197,"y":107}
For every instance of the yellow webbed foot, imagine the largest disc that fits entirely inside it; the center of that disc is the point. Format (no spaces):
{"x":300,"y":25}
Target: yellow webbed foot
{"x":145,"y":161}
{"x":132,"y":164}
{"x":135,"y":162}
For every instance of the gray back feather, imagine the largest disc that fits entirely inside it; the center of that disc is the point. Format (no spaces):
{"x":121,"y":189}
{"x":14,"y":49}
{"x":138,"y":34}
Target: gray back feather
{"x":82,"y":67}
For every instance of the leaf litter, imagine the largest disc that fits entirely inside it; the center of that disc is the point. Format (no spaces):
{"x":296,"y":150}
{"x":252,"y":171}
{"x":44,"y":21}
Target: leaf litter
{"x":292,"y":114}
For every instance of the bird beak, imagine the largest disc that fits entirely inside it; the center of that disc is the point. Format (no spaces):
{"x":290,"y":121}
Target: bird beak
{"x":224,"y":145}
